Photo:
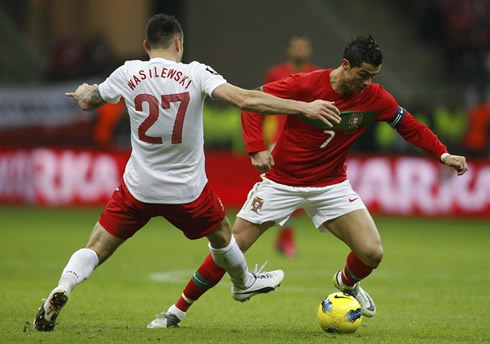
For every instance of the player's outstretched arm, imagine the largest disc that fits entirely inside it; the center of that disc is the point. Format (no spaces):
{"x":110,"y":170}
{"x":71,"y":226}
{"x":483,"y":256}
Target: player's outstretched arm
{"x":421,"y":136}
{"x":262,"y":102}
{"x":87,"y":96}
{"x":455,"y":161}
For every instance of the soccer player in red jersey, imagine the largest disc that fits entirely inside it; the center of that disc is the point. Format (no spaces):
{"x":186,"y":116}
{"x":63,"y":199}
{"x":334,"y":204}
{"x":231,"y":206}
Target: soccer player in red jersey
{"x":307,"y":167}
{"x":299,"y":55}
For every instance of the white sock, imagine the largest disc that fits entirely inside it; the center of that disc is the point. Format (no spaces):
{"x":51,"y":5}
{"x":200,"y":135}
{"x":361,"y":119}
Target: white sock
{"x":173,"y":309}
{"x":233,"y":261}
{"x":79,"y":268}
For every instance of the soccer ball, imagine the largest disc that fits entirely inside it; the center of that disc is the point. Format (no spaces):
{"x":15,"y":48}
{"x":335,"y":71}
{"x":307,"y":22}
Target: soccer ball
{"x":340,"y":313}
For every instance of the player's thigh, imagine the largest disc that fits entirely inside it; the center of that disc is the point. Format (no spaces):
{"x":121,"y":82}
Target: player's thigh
{"x":270,"y":202}
{"x":246,"y":233}
{"x":124,"y":215}
{"x":200,"y":217}
{"x":330,"y":202}
{"x":358,"y":230}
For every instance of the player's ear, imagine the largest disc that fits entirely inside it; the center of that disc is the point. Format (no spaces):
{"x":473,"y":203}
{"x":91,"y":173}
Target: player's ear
{"x":145,"y":46}
{"x":345,"y":64}
{"x":178,"y":43}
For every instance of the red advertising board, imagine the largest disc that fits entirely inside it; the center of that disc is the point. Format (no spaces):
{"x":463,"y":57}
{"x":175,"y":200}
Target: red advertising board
{"x":387,"y":185}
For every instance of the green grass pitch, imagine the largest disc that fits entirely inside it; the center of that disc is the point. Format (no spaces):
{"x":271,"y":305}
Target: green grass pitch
{"x":432,"y":287}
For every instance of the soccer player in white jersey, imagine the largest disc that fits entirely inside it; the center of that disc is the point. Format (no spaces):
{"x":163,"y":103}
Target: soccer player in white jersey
{"x":165,"y":174}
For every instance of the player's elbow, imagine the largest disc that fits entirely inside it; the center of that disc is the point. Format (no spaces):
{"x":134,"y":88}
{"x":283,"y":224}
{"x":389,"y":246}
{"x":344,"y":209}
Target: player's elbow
{"x":248,"y":103}
{"x":252,"y":101}
{"x":244,"y":99}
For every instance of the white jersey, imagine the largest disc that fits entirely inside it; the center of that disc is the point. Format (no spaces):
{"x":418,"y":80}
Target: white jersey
{"x":165,"y":101}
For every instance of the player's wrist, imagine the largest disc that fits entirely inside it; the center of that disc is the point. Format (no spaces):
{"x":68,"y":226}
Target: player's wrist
{"x":443,"y":156}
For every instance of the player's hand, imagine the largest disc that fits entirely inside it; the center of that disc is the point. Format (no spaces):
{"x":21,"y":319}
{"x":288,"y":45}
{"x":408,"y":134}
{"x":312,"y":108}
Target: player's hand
{"x":87,"y":96}
{"x":457,"y":162}
{"x":263,"y":161}
{"x":81,"y":91}
{"x":324,"y":111}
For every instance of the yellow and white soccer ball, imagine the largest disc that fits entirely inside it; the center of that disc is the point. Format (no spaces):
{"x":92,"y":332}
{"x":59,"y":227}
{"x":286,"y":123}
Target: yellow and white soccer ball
{"x":339,"y":313}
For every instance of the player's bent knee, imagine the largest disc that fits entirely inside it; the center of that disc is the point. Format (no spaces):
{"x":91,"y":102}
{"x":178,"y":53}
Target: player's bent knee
{"x":221,"y":236}
{"x":370,"y":255}
{"x":374,"y":256}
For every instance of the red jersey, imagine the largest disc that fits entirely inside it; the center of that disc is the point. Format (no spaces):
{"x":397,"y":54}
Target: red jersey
{"x":279,"y":72}
{"x":308,"y":152}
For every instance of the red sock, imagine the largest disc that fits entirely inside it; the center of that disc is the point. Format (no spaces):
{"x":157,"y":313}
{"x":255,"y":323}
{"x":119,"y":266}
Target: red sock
{"x":287,"y":233}
{"x":206,"y":277}
{"x":285,"y":242}
{"x":354,"y":270}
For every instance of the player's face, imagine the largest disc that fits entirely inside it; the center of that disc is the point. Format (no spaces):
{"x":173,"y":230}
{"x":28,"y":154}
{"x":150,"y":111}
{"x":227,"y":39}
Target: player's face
{"x":358,"y":78}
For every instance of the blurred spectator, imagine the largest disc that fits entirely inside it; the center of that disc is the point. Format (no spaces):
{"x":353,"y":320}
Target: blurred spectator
{"x":99,"y":55}
{"x":430,"y":20}
{"x":476,"y":139}
{"x":67,"y":57}
{"x":462,"y":31}
{"x":108,"y":116}
{"x":299,"y":52}
{"x":73,"y":58}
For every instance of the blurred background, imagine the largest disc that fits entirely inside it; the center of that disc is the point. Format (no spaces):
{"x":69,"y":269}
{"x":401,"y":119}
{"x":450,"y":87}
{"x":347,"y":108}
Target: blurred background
{"x":436,"y":64}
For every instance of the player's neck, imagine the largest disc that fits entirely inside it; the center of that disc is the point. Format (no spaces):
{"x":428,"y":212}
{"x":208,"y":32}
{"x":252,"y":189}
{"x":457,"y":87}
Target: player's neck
{"x":297,"y":67}
{"x":336,"y":81}
{"x":164,"y":54}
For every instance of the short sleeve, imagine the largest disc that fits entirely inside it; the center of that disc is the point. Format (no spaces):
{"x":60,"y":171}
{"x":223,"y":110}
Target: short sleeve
{"x":210,"y":79}
{"x":110,"y":89}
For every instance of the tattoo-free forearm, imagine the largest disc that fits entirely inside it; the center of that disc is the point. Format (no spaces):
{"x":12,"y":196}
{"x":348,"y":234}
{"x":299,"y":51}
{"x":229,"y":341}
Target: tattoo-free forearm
{"x":265,"y":103}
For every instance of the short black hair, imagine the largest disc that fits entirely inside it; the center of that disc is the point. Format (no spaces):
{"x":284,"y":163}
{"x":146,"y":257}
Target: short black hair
{"x":160,"y":31}
{"x":363,"y":48}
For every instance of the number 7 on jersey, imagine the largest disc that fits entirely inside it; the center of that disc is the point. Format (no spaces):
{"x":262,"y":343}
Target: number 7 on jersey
{"x":331,"y":134}
{"x":154,"y":112}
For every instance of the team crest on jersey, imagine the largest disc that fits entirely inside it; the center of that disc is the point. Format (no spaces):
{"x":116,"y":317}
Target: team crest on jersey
{"x":257,"y":204}
{"x":355,"y":120}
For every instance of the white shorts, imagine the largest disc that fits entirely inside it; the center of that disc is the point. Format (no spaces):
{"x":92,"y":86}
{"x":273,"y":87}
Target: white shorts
{"x":270,"y":201}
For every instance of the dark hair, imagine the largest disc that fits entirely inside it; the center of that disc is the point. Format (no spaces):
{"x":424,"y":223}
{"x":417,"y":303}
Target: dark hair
{"x":363,"y":48}
{"x":161,"y":29}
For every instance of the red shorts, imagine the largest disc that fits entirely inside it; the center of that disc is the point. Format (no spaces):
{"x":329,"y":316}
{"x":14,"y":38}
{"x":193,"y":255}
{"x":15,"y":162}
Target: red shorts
{"x":124,"y":215}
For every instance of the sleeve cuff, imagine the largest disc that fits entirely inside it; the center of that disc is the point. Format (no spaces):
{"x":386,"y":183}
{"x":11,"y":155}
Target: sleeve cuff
{"x":255,"y":146}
